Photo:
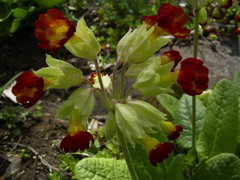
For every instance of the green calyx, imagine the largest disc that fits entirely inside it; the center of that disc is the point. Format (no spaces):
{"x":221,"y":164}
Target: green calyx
{"x":83,"y":43}
{"x":60,"y":73}
{"x":81,"y":99}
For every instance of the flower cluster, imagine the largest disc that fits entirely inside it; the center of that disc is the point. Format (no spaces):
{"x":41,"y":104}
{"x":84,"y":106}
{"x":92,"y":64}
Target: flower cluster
{"x":136,"y":120}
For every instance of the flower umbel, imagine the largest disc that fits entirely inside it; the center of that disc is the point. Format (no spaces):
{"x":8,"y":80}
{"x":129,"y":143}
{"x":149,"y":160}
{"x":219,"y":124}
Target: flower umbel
{"x":168,"y":20}
{"x":193,"y":76}
{"x":53,"y":30}
{"x":28,"y":89}
{"x":158,"y":151}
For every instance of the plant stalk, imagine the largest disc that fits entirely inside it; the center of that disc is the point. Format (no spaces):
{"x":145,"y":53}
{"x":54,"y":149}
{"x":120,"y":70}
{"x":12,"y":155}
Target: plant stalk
{"x":127,"y":155}
{"x":195,"y":54}
{"x":101,"y":82}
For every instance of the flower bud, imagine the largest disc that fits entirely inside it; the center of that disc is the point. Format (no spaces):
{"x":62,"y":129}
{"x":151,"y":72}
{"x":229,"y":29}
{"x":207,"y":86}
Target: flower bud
{"x":83,"y":43}
{"x":202,"y":16}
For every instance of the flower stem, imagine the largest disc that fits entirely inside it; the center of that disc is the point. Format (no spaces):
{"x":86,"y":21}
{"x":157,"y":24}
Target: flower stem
{"x":195,"y":53}
{"x":114,"y":78}
{"x":105,"y":97}
{"x":127,"y":155}
{"x":121,"y":89}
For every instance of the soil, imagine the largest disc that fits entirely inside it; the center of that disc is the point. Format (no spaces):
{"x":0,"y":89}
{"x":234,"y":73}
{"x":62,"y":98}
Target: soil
{"x":40,"y":136}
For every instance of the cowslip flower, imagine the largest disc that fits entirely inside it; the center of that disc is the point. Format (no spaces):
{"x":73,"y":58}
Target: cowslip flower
{"x":29,"y":88}
{"x":158,"y":151}
{"x":193,"y":76}
{"x":168,"y":20}
{"x":172,"y":131}
{"x":53,"y":30}
{"x":170,"y":56}
{"x":77,"y":138}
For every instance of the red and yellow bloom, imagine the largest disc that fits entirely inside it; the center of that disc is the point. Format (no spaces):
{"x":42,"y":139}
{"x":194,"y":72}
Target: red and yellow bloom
{"x":170,"y":56}
{"x":158,"y":151}
{"x":77,"y":138}
{"x":74,"y":142}
{"x":53,"y":30}
{"x":168,"y":20}
{"x":193,"y":76}
{"x":172,"y":131}
{"x":28,"y":89}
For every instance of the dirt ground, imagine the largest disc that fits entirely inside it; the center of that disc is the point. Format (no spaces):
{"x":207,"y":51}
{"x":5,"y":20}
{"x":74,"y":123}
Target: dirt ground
{"x":40,"y":137}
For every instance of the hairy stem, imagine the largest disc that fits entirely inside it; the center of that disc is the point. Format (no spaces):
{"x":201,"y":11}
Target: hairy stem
{"x":105,"y":97}
{"x":127,"y":155}
{"x":195,"y":53}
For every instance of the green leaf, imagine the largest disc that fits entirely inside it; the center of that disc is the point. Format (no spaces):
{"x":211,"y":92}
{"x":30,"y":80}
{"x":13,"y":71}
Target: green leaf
{"x":224,"y":166}
{"x":236,"y":81}
{"x":168,"y":102}
{"x":220,"y":129}
{"x":101,"y":169}
{"x":183,"y":116}
{"x":176,"y":166}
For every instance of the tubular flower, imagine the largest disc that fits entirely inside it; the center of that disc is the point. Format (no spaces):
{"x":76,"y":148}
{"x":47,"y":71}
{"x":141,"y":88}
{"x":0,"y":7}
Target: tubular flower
{"x":29,"y":88}
{"x":168,"y":20}
{"x":74,"y":142}
{"x":53,"y":30}
{"x":172,"y":131}
{"x":169,"y":56}
{"x":77,"y":137}
{"x":158,"y":151}
{"x":193,"y":76}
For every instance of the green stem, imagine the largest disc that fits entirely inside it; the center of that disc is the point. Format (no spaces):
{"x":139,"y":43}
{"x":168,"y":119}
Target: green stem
{"x":127,"y":155}
{"x":121,"y":89}
{"x":194,"y":126}
{"x":105,"y":97}
{"x":114,"y":79}
{"x":195,"y":54}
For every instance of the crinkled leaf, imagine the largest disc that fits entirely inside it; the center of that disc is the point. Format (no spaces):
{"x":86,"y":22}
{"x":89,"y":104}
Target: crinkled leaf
{"x":168,"y":102}
{"x":236,"y":81}
{"x":224,"y":166}
{"x":183,"y":116}
{"x":220,"y":130}
{"x":101,"y":169}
